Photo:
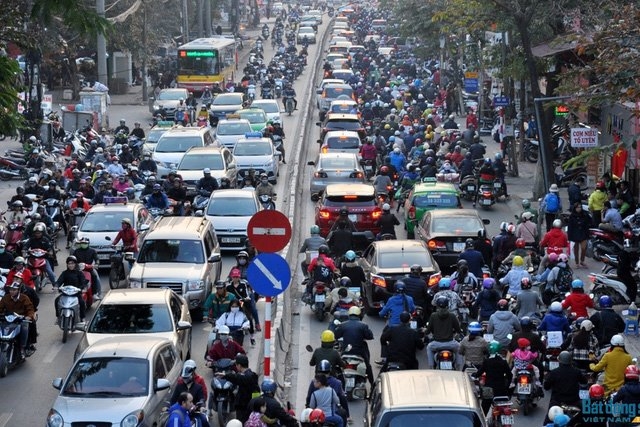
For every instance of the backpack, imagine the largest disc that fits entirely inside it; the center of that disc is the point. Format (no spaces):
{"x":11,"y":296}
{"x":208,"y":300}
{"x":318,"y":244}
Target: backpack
{"x":564,"y":279}
{"x":552,"y":203}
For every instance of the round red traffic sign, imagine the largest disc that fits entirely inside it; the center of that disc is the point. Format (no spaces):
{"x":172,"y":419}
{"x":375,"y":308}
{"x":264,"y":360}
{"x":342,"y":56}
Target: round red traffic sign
{"x":269,"y":231}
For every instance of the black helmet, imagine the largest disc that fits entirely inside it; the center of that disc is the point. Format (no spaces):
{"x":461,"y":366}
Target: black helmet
{"x":344,"y":211}
{"x":405,"y":317}
{"x":323,"y":249}
{"x":72,"y":259}
{"x":469,"y":243}
{"x":345,"y":282}
{"x":462,"y":263}
{"x":565,"y":358}
{"x":526,"y":323}
{"x":442,"y":302}
{"x":416,"y":269}
{"x":324,"y":367}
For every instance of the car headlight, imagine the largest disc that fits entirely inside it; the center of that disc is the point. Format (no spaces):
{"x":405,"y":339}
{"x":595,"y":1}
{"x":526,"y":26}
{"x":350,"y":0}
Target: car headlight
{"x":157,"y":107}
{"x":54,"y":419}
{"x":195,"y":285}
{"x":135,"y":284}
{"x":133,"y":419}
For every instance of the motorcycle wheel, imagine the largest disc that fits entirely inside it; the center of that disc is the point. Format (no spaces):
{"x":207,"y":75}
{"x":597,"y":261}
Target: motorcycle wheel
{"x":4,"y":365}
{"x":114,"y":277}
{"x":38,"y":282}
{"x":531,"y":154}
{"x":319,"y":312}
{"x":526,"y":407}
{"x":5,"y":176}
{"x":222,"y":413}
{"x":66,"y":328}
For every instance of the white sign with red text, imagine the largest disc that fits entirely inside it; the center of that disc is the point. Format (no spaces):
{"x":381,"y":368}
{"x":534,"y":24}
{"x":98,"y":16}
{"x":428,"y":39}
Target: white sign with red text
{"x":584,"y":137}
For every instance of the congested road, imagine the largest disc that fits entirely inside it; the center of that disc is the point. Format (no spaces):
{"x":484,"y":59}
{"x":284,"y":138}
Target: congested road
{"x":27,"y":390}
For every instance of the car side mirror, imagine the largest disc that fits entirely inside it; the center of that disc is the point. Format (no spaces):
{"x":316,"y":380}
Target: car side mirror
{"x":129,"y":256}
{"x":486,"y":221}
{"x":318,"y":124}
{"x":214,"y":258}
{"x":57,"y":383}
{"x":311,"y":163}
{"x":182,"y":325}
{"x":162,"y":384}
{"x":231,"y":166}
{"x":319,"y":91}
{"x":81,"y":326}
{"x":144,"y":227}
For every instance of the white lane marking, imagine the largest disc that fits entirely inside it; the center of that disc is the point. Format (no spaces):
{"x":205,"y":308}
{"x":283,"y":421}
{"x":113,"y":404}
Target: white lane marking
{"x":5,"y":417}
{"x":52,"y":353}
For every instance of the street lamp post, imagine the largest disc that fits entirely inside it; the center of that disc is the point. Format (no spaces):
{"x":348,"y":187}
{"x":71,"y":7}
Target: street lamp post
{"x":442,"y":44}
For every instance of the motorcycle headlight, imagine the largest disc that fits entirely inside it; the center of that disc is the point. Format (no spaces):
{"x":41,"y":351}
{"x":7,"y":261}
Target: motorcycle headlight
{"x":133,"y":419}
{"x":195,"y":285}
{"x":54,"y":419}
{"x":135,"y":284}
{"x":227,"y":385}
{"x":217,"y":383}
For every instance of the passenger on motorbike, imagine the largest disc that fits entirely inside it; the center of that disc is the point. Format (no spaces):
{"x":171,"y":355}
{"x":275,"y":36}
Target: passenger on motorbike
{"x":523,"y":359}
{"x":401,"y":343}
{"x":368,"y":152}
{"x":606,"y":321}
{"x":555,"y":320}
{"x":237,"y":321}
{"x":564,"y":383}
{"x":325,"y":368}
{"x":241,"y":289}
{"x":453,"y":299}
{"x":557,"y":278}
{"x":17,"y":302}
{"x":528,"y":301}
{"x":382,"y":182}
{"x":223,"y":348}
{"x":578,"y":300}
{"x":6,"y":258}
{"x":497,"y":374}
{"x":19,"y":268}
{"x":473,"y":257}
{"x":520,"y":251}
{"x":443,"y":324}
{"x":341,"y":297}
{"x":190,"y":382}
{"x":351,"y":269}
{"x":327,"y":351}
{"x":312,"y":243}
{"x":274,"y":408}
{"x":158,"y":199}
{"x":473,"y":347}
{"x":487,"y":300}
{"x":515,"y":275}
{"x":40,"y":241}
{"x":554,"y":241}
{"x":613,"y":364}
{"x":503,"y":323}
{"x":355,"y":334}
{"x":85,"y":254}
{"x":387,"y":222}
{"x":17,"y":215}
{"x":528,"y":331}
{"x":71,"y":277}
{"x":583,"y":345}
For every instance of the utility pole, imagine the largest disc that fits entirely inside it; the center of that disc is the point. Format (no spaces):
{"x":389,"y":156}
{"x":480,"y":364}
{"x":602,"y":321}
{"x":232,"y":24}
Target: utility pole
{"x":144,"y":53}
{"x":207,"y":18}
{"x":546,"y":161}
{"x":185,"y":22}
{"x":102,"y":48}
{"x":200,"y":19}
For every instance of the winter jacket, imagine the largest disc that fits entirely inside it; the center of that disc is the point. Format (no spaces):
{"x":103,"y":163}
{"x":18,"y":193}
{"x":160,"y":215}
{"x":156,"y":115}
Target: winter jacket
{"x":355,"y":333}
{"x":487,"y":302}
{"x":475,"y":261}
{"x":402,"y":345}
{"x":606,"y":323}
{"x":498,"y":375}
{"x":326,"y":352}
{"x":578,"y":227}
{"x":501,"y":324}
{"x":474,"y":351}
{"x":564,"y":383}
{"x":555,"y":238}
{"x":613,"y":364}
{"x":555,"y":322}
{"x":528,"y":303}
{"x":395,"y":306}
{"x":178,"y":417}
{"x":579,"y":302}
{"x":629,"y":394}
{"x":443,"y":325}
{"x":513,"y":278}
{"x":596,"y":200}
{"x":247,"y":382}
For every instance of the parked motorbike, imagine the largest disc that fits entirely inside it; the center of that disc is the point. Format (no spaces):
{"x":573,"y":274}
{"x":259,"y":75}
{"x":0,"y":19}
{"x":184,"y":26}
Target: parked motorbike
{"x":566,"y":177}
{"x":354,"y":374}
{"x":10,"y":327}
{"x":608,"y":284}
{"x":10,"y":169}
{"x":531,"y":150}
{"x":68,"y":309}
{"x":221,"y":399}
{"x":36,"y":263}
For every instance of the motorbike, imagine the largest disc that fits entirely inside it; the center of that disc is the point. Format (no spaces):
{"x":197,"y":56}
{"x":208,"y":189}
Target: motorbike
{"x":606,"y":242}
{"x":135,"y":144}
{"x":278,"y":88}
{"x":278,"y":144}
{"x":10,"y":169}
{"x":266,"y":93}
{"x":354,"y":374}
{"x":367,"y":165}
{"x":251,"y":92}
{"x":445,"y":360}
{"x":502,"y":411}
{"x":498,"y":190}
{"x":200,"y":201}
{"x":525,"y":391}
{"x":69,"y":310}
{"x":289,"y":105}
{"x":553,"y":342}
{"x":486,"y":197}
{"x":76,"y":216}
{"x":265,"y":32}
{"x":531,"y":150}
{"x":10,"y":327}
{"x":118,"y":270}
{"x":468,"y":187}
{"x":468,"y":298}
{"x":36,"y":263}
{"x":315,"y":297}
{"x":13,"y":236}
{"x":565,"y":177}
{"x":221,"y":398}
{"x":267,"y":201}
{"x":52,"y":208}
{"x":608,"y":284}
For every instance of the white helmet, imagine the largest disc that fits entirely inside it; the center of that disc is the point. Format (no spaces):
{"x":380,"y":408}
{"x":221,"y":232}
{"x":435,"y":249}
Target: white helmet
{"x":554,"y":411}
{"x":555,"y":307}
{"x":188,"y":369}
{"x":304,"y":416}
{"x":617,"y":340}
{"x":234,"y":423}
{"x":224,"y":329}
{"x":557,"y":223}
{"x":587,"y":325}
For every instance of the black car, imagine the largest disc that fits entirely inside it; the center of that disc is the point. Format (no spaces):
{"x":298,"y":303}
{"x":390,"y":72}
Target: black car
{"x":386,"y":261}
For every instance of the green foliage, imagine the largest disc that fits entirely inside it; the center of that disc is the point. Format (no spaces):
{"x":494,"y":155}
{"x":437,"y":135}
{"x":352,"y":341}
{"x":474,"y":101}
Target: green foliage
{"x":10,"y":119}
{"x":77,"y":15}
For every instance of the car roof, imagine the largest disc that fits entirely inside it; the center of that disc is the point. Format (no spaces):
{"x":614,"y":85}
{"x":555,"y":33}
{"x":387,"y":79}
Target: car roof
{"x":454,"y":212}
{"x":137,"y":296}
{"x":138,"y":346}
{"x":175,"y":89}
{"x":169,"y":227}
{"x":346,"y":189}
{"x":341,"y":85}
{"x":232,"y":192}
{"x":334,"y":155}
{"x":425,"y":187}
{"x":180,"y":131}
{"x":123,"y":207}
{"x":229,"y":121}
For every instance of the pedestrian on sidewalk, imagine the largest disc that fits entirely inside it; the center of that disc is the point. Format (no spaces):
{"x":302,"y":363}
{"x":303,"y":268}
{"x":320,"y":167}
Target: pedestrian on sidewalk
{"x":551,"y":205}
{"x":578,"y":233}
{"x":596,"y":203}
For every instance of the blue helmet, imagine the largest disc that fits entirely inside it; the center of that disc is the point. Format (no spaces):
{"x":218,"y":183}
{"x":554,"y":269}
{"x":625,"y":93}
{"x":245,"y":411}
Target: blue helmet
{"x":577,"y":284}
{"x":445,"y":283}
{"x":605,"y":301}
{"x":268,"y":386}
{"x":400,"y":286}
{"x":475,"y":328}
{"x":392,"y":138}
{"x":561,"y":420}
{"x":350,"y":256}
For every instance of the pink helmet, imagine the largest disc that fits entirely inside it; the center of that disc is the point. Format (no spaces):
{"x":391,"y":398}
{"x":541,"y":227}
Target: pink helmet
{"x":553,"y":257}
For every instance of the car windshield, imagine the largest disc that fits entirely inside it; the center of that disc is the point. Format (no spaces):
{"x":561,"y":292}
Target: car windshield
{"x":199,"y":161}
{"x":178,"y":144}
{"x":335,"y":92}
{"x":343,"y":125}
{"x":337,"y":163}
{"x":233,"y":128}
{"x":267,"y":107}
{"x":166,"y":250}
{"x":227,"y":100}
{"x":429,"y":417}
{"x":343,"y":142}
{"x":306,"y":30}
{"x":171,"y":95}
{"x":231,"y":206}
{"x":108,"y":377}
{"x":252,"y":149}
{"x":131,"y":319}
{"x":349,"y":200}
{"x":403,"y":259}
{"x":456,"y":225}
{"x":253,"y":116}
{"x":435,"y":200}
{"x":104,"y":221}
{"x":154,"y":134}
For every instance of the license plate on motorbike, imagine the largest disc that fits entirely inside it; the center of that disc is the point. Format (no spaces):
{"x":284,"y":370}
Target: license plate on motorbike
{"x":350,"y":382}
{"x":104,"y":256}
{"x":413,"y":324}
{"x":584,"y":394}
{"x":486,"y":202}
{"x":524,"y":389}
{"x":446,"y":365}
{"x":506,"y":420}
{"x":553,"y":365}
{"x":319,"y":298}
{"x":353,"y":217}
{"x":497,"y":185}
{"x":368,"y":168}
{"x":471,"y":188}
{"x":458,"y":246}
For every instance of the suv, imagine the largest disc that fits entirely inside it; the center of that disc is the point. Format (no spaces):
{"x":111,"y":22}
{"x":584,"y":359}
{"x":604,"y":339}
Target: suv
{"x":360,"y":200}
{"x":257,"y":153}
{"x":426,"y":196}
{"x":332,"y":92}
{"x":218,"y":159}
{"x":423,"y":397}
{"x":173,"y":144}
{"x":225,"y":103}
{"x":229,"y":131}
{"x":230,"y":211}
{"x":342,"y":122}
{"x":167,"y":101}
{"x":182,"y":254}
{"x":103,"y":222}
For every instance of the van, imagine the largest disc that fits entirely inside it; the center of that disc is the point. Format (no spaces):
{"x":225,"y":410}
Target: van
{"x":423,"y":398}
{"x":181,"y":254}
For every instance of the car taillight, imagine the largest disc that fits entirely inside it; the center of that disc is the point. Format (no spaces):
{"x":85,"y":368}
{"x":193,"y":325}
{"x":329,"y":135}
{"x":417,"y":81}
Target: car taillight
{"x":324,"y":214}
{"x":436,"y":244}
{"x":434,"y":279}
{"x":378,"y":281}
{"x":325,"y":149}
{"x":358,"y":175}
{"x":320,"y":174}
{"x":412,"y":212}
{"x":486,"y":193}
{"x":377,"y":213}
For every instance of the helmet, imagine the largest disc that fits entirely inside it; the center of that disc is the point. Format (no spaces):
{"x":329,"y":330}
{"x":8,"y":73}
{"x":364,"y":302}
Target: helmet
{"x":39,"y":228}
{"x":324,"y":367}
{"x":498,"y":156}
{"x":242,"y":254}
{"x":126,"y":221}
{"x":503,"y":226}
{"x":554,"y":411}
{"x":235,"y":272}
{"x":430,"y":160}
{"x":565,"y":357}
{"x":523,"y":343}
{"x":487,"y":161}
{"x":526,"y":203}
{"x":157,"y":187}
{"x":503,"y":304}
{"x":596,"y":391}
{"x":442,"y":302}
{"x":400,"y":287}
{"x":18,"y":260}
{"x":553,"y":257}
{"x":617,"y":341}
{"x":384,"y":169}
{"x":494,"y":347}
{"x":416,"y":269}
{"x":386,"y":207}
{"x":268,"y":386}
{"x":600,"y":185}
{"x":323,"y":249}
{"x":587,"y":325}
{"x":224,"y":329}
{"x":462,"y":263}
{"x":445,"y":283}
{"x":220,"y":284}
{"x":355,"y":311}
{"x":563,"y":258}
{"x":520,"y":243}
{"x":345,"y":282}
{"x":234,"y":423}
{"x":557,"y":223}
{"x":577,"y":284}
{"x":475,"y":328}
{"x":605,"y":301}
{"x":327,"y":336}
{"x":469,"y":243}
{"x":71,"y":258}
{"x":17,"y":204}
{"x":631,"y":373}
{"x":561,"y":420}
{"x":518,"y":261}
{"x":488,"y":283}
{"x":317,"y":416}
{"x":315,"y":229}
{"x":350,"y":255}
{"x":344,"y":211}
{"x":304,"y":415}
{"x":511,"y":228}
{"x":555,"y":307}
{"x":188,"y":369}
{"x":525,"y":283}
{"x":525,"y":322}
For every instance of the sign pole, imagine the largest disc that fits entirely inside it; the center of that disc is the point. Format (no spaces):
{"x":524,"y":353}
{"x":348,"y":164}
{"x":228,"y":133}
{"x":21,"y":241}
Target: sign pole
{"x":267,"y":337}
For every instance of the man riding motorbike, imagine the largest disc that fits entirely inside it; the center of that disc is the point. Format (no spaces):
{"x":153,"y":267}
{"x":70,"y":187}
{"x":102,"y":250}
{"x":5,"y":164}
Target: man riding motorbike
{"x":443,"y":324}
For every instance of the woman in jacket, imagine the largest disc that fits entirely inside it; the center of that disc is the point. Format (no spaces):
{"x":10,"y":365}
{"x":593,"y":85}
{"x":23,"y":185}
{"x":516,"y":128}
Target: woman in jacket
{"x":578,"y":233}
{"x":613,"y":364}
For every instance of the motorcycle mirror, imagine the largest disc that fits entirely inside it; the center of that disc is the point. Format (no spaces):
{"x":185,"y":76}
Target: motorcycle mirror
{"x":510,"y":337}
{"x":348,"y":348}
{"x":591,"y":296}
{"x":309,"y":348}
{"x":337,"y":322}
{"x":107,"y":238}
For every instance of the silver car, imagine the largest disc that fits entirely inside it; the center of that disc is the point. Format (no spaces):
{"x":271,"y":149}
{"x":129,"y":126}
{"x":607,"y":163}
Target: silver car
{"x":341,"y":141}
{"x":258,"y":154}
{"x":229,"y":131}
{"x":167,"y":101}
{"x":335,"y":168}
{"x":119,"y":381}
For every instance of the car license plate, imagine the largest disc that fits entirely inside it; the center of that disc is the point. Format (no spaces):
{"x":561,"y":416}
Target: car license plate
{"x":413,"y":324}
{"x":497,"y":185}
{"x":584,"y":394}
{"x":458,"y":246}
{"x":486,"y":202}
{"x":446,"y":365}
{"x":553,"y":365}
{"x":506,"y":420}
{"x":524,"y":388}
{"x":350,"y":382}
{"x":104,"y":256}
{"x":230,"y":240}
{"x":353,"y":217}
{"x":320,"y":298}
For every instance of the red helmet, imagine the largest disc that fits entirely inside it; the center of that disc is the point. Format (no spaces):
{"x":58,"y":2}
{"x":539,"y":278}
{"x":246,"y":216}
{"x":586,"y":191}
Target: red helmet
{"x":596,"y":391}
{"x":520,"y":243}
{"x":447,"y":156}
{"x":523,"y":343}
{"x":631,"y":373}
{"x":418,"y":141}
{"x":600,"y":185}
{"x":317,"y":416}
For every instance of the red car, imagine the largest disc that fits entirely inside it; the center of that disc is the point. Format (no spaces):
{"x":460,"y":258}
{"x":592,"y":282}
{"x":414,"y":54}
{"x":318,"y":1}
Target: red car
{"x":359,"y":199}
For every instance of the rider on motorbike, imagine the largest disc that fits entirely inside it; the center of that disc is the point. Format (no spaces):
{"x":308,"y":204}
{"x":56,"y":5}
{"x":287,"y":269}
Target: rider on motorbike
{"x":606,"y":321}
{"x":578,"y":300}
{"x":326,"y":351}
{"x":487,"y":299}
{"x":158,"y":199}
{"x":515,"y":276}
{"x":190,"y":382}
{"x":71,"y":277}
{"x":463,"y":278}
{"x":443,"y":324}
{"x":401,"y":343}
{"x":473,"y":257}
{"x":355,"y":334}
{"x":613,"y":364}
{"x":473,"y":347}
{"x":264,"y":187}
{"x":289,"y":92}
{"x":453,"y":299}
{"x":351,"y":269}
{"x":85,"y":254}
{"x":387,"y":222}
{"x":325,"y":368}
{"x":555,"y":320}
{"x":528,"y":302}
{"x":223,"y":348}
{"x":497,"y":373}
{"x":503,"y":323}
{"x":521,"y":252}
{"x":40,"y":241}
{"x":207,"y":182}
{"x":17,"y":302}
{"x":486,"y":176}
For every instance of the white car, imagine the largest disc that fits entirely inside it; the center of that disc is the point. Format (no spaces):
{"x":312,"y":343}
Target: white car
{"x":229,"y":131}
{"x":269,"y":106}
{"x":230,"y":211}
{"x":258,"y":154}
{"x":307,"y":33}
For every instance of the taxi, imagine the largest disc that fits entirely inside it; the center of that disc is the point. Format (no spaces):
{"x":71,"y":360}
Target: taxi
{"x":425,"y":196}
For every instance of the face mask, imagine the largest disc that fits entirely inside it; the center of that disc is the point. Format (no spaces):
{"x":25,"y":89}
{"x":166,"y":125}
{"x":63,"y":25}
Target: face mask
{"x":2,"y":250}
{"x":224,"y":338}
{"x":264,"y":181}
{"x":242,"y":261}
{"x":84,"y":246}
{"x":235,"y":309}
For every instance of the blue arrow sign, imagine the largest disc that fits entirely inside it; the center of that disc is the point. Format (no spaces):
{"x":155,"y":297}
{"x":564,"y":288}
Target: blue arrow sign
{"x":269,"y":274}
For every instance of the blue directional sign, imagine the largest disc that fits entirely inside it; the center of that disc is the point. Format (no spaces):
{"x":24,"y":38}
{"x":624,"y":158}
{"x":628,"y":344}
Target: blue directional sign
{"x":269,"y":274}
{"x":501,"y":101}
{"x":471,"y":85}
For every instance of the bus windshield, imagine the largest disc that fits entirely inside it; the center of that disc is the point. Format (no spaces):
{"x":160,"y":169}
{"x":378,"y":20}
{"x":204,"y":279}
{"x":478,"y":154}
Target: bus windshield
{"x":198,"y":65}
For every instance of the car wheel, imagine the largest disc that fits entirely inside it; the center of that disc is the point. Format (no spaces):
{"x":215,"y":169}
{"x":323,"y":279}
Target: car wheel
{"x":196,"y":315}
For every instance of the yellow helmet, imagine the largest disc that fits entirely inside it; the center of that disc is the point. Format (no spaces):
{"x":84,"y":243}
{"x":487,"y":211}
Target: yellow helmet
{"x":327,"y":336}
{"x":518,"y":261}
{"x":387,"y":126}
